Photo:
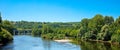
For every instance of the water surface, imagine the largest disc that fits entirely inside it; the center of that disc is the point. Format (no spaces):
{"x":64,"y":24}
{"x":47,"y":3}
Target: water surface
{"x":25,"y":42}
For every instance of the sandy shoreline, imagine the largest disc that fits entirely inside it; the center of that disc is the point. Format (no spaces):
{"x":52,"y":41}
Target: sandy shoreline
{"x":63,"y":40}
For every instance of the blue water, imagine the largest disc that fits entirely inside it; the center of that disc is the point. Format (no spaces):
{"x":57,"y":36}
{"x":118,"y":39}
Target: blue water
{"x":25,"y":42}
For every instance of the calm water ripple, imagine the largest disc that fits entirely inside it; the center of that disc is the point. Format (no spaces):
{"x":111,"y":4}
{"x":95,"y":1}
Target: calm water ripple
{"x":24,"y":42}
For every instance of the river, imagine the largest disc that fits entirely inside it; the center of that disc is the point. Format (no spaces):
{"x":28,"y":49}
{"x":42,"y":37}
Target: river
{"x":24,"y":42}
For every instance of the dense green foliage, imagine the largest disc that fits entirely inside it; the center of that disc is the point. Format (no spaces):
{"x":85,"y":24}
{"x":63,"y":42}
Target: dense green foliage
{"x":55,"y":30}
{"x":59,"y":30}
{"x":5,"y":35}
{"x":8,"y":26}
{"x":26,"y":24}
{"x":98,"y":28}
{"x":0,"y":22}
{"x":5,"y":31}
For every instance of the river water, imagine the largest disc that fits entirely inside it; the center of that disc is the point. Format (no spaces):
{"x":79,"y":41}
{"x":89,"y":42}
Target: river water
{"x":24,"y":42}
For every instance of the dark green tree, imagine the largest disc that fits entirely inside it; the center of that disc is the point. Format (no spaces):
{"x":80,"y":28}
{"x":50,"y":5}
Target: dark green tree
{"x":95,"y":25}
{"x":108,"y":20}
{"x":0,"y":21}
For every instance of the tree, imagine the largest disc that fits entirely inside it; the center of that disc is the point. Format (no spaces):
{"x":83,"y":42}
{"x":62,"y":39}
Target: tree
{"x":117,"y":22}
{"x":74,"y":33}
{"x":5,"y":36}
{"x":84,"y":22}
{"x":108,"y":20}
{"x":116,"y":37}
{"x":44,"y":28}
{"x":95,"y":25}
{"x":0,"y":21}
{"x":96,"y":22}
{"x":0,"y":18}
{"x":105,"y":33}
{"x":82,"y":31}
{"x":8,"y":26}
{"x":36,"y":32}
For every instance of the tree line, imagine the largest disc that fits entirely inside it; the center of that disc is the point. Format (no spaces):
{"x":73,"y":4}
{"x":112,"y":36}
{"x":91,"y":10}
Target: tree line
{"x":99,"y":28}
{"x":103,"y":28}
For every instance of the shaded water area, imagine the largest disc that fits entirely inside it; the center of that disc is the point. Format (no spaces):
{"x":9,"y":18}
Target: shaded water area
{"x":25,"y":42}
{"x":93,"y":45}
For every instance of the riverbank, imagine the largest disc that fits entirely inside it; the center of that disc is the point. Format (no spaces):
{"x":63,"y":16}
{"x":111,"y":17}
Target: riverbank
{"x":63,"y":40}
{"x":100,"y":41}
{"x":5,"y":42}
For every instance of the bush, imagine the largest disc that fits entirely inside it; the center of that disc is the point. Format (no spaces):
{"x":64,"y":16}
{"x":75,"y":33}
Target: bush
{"x":6,"y":34}
{"x":116,"y":37}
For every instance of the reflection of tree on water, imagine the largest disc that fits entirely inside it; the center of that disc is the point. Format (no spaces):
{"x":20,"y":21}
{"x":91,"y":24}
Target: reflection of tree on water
{"x":97,"y":46}
{"x":10,"y":46}
{"x":46,"y":44}
{"x":107,"y":46}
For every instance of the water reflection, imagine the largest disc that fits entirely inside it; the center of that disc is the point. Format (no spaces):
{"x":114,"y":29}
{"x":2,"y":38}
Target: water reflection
{"x":36,"y":43}
{"x":10,"y":46}
{"x":46,"y":44}
{"x":85,"y":45}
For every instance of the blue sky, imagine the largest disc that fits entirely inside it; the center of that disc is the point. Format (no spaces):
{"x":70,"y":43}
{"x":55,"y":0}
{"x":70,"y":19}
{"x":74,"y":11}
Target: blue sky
{"x":57,"y":10}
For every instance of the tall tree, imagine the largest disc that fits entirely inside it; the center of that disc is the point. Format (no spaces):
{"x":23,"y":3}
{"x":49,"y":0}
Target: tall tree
{"x":0,"y":18}
{"x":117,"y":22}
{"x":108,"y":20}
{"x":84,"y":22}
{"x":0,"y":21}
{"x":96,"y":23}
